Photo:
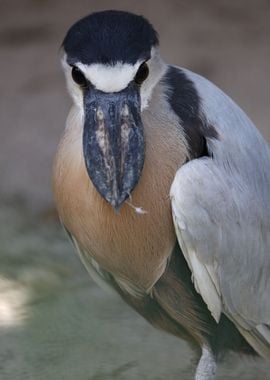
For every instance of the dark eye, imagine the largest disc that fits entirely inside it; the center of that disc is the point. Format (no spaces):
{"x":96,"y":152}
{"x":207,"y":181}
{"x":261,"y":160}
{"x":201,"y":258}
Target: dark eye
{"x":78,"y":77}
{"x":142,"y":73}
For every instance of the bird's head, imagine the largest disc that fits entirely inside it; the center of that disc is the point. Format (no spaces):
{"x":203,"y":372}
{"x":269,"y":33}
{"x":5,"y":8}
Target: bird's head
{"x":112,"y":64}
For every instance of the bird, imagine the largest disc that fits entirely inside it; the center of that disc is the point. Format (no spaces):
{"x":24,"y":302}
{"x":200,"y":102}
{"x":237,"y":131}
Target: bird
{"x":162,"y":183}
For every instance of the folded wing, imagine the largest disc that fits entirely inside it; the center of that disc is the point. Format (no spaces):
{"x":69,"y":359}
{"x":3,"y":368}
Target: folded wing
{"x":221,"y":212}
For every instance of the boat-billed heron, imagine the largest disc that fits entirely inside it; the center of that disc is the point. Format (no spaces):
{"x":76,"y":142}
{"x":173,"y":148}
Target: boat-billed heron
{"x":163,"y":184}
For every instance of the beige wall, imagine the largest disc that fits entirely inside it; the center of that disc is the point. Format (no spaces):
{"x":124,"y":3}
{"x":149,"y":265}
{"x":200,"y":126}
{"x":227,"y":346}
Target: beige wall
{"x":227,"y":41}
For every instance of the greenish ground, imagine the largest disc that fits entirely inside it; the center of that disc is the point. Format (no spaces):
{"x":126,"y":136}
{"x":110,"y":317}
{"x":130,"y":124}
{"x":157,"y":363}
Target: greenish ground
{"x":55,"y":323}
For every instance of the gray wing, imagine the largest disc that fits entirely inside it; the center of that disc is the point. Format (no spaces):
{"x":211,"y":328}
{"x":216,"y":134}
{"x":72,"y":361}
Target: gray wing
{"x":221,"y":212}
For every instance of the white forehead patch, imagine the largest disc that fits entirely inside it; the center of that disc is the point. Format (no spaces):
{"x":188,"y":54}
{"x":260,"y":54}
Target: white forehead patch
{"x":109,"y":78}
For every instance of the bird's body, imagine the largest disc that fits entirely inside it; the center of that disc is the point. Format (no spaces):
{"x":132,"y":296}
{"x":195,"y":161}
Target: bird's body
{"x":203,"y":190}
{"x":148,"y":239}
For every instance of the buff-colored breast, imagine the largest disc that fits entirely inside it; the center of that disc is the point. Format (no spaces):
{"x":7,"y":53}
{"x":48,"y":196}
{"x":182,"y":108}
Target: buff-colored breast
{"x":133,"y":247}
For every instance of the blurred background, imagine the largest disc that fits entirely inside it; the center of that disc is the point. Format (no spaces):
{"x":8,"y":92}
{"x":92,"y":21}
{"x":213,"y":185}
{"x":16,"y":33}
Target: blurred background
{"x":55,"y":323}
